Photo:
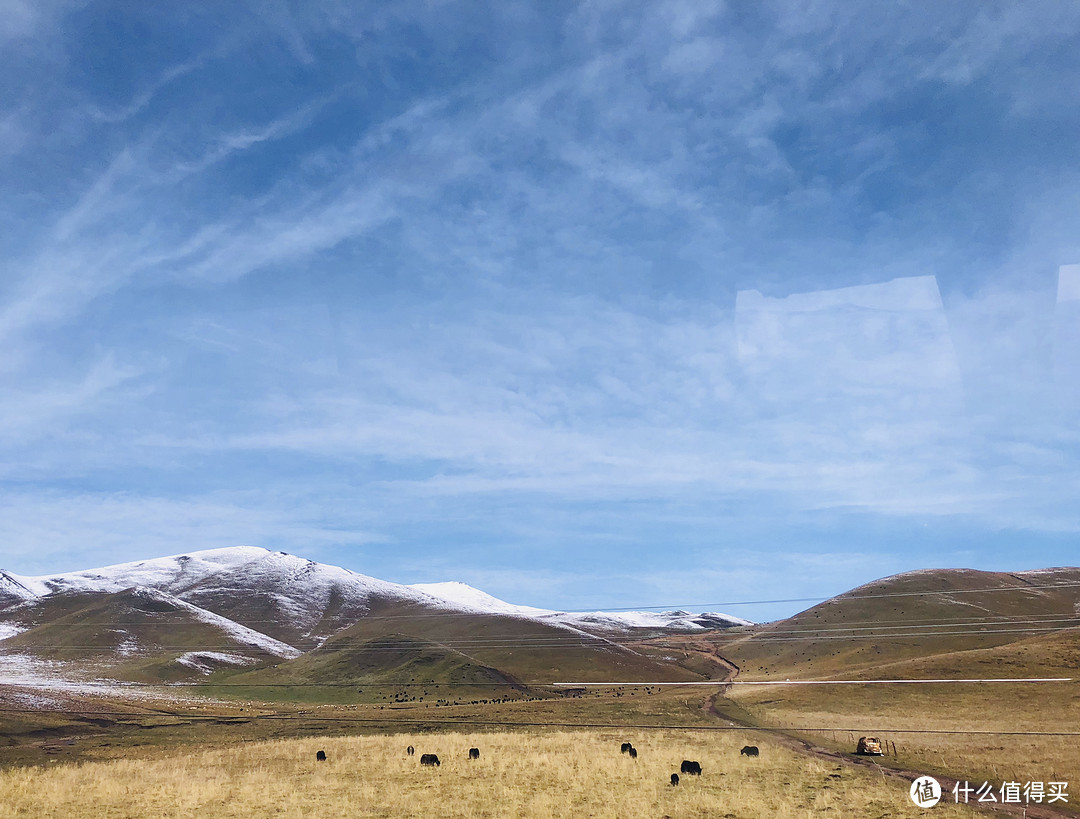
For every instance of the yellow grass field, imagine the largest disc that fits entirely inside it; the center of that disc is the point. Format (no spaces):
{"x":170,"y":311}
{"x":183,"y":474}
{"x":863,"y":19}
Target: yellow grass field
{"x":519,"y":774}
{"x":995,"y":757}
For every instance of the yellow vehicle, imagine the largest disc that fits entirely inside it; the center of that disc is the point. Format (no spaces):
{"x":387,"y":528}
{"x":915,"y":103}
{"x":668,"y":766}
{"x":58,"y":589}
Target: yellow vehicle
{"x":869,"y":746}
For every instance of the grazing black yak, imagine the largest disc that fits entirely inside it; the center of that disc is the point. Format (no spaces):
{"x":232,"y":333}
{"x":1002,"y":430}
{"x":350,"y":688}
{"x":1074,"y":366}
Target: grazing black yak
{"x":474,"y":753}
{"x":749,"y":750}
{"x":429,"y":759}
{"x":674,"y":779}
{"x":690,"y":767}
{"x":320,"y":756}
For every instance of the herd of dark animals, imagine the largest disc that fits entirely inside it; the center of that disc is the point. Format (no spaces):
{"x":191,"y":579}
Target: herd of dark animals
{"x":425,"y":759}
{"x":688,"y":766}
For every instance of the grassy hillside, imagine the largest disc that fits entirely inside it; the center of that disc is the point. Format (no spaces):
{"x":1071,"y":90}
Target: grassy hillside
{"x":392,"y":668}
{"x":138,"y":637}
{"x":406,"y":653}
{"x":528,"y":652}
{"x":928,"y":626}
{"x":907,"y":617}
{"x":145,"y":637}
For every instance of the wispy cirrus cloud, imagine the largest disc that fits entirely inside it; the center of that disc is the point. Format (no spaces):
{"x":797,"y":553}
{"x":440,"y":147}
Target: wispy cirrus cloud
{"x":493,"y":282}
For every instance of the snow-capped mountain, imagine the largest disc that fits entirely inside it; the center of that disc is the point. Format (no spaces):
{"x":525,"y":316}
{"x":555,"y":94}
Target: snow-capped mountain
{"x":465,"y":595}
{"x":250,"y":611}
{"x":294,"y":600}
{"x":298,"y":600}
{"x":204,"y":611}
{"x":462,"y":594}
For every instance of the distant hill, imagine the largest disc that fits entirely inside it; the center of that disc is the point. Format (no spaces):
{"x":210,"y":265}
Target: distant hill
{"x":897,"y":625}
{"x":529,"y":651}
{"x":256,"y":617}
{"x":602,"y":622}
{"x":281,"y":617}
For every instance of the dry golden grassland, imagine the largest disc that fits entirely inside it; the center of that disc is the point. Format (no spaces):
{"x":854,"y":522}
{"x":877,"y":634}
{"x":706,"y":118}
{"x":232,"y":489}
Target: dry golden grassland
{"x":519,"y":774}
{"x":996,"y":757}
{"x":86,"y":732}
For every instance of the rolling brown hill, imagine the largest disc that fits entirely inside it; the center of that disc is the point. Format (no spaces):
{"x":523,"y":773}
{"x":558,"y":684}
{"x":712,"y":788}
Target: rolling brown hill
{"x":907,"y":618}
{"x":410,"y":644}
{"x":273,"y":619}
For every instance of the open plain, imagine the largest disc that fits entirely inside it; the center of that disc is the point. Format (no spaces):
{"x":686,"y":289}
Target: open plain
{"x":525,"y":772}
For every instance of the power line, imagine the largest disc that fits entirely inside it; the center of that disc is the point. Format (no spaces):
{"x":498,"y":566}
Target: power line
{"x":986,"y":619}
{"x":680,"y":606}
{"x":730,"y":629}
{"x":885,"y":629}
{"x":846,"y":596}
{"x":409,"y":645}
{"x":899,"y":624}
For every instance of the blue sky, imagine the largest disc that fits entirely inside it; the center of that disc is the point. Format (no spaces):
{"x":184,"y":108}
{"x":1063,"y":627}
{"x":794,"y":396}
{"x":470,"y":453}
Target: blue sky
{"x":586,"y":304}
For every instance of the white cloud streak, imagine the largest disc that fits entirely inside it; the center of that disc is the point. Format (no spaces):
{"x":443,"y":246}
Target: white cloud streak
{"x":537,"y":227}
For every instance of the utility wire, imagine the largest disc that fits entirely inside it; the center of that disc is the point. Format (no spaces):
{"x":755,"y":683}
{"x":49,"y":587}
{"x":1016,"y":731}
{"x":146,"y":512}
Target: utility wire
{"x":569,"y":642}
{"x":735,"y":630}
{"x":727,"y":603}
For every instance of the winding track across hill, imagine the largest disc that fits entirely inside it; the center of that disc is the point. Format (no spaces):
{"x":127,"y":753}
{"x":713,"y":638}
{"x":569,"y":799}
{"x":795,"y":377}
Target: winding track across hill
{"x":906,"y":775}
{"x":708,"y":652}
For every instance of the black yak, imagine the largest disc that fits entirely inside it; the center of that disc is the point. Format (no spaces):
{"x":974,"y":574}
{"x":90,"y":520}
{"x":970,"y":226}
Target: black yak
{"x":690,"y":767}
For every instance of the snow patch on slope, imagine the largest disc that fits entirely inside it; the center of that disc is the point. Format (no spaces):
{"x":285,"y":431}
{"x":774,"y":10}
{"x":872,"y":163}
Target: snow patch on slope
{"x":128,"y":646}
{"x":463,"y":594}
{"x":206,"y":662}
{"x":680,"y":620}
{"x":13,"y":587}
{"x":239,"y":633}
{"x":31,"y":672}
{"x":10,"y":630}
{"x":22,"y":671}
